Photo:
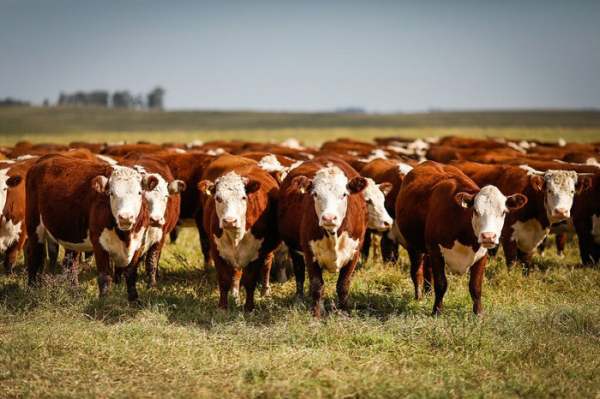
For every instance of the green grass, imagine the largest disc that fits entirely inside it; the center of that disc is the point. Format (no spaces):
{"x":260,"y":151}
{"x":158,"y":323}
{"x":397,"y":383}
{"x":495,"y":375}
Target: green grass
{"x":540,"y":337}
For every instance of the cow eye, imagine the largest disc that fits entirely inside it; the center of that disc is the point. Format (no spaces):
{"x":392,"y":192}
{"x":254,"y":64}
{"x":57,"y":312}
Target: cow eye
{"x":140,"y":193}
{"x":345,"y":195}
{"x":504,"y":212}
{"x":218,"y":199}
{"x":476,"y":213}
{"x":369,"y":200}
{"x":245,"y":197}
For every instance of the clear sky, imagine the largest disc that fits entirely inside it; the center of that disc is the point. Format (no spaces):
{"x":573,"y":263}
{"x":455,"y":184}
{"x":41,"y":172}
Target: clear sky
{"x":305,"y":55}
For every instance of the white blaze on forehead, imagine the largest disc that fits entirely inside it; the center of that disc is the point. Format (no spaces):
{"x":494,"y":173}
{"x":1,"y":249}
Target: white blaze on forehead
{"x":230,"y":191}
{"x":378,"y":215}
{"x":125,"y":186}
{"x":3,"y":188}
{"x":270,"y":163}
{"x":489,"y":212}
{"x":158,"y":197}
{"x":404,"y":168}
{"x":329,"y":190}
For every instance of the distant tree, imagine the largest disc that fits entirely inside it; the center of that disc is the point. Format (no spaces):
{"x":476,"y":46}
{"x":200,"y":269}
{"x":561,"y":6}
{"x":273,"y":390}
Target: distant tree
{"x":11,"y":102}
{"x":155,"y":98}
{"x":122,"y":99}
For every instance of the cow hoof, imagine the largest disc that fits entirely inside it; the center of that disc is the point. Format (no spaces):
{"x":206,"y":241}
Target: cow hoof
{"x":265,"y":292}
{"x":299,"y":300}
{"x":344,"y":313}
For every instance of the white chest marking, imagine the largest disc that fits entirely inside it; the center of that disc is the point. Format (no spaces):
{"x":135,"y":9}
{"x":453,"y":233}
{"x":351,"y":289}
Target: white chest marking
{"x":118,"y":251}
{"x":529,"y":234}
{"x":333,"y":252}
{"x":238,"y":252}
{"x":9,"y":234}
{"x":460,"y":257}
{"x":153,"y":236}
{"x":596,"y":228}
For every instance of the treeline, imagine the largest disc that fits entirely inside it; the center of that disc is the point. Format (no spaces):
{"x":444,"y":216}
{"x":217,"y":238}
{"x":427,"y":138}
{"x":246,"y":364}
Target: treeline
{"x":11,"y":102}
{"x":118,"y":99}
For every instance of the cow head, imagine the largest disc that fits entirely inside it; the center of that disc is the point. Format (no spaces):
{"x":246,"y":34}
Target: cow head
{"x":158,"y":197}
{"x":374,"y":195}
{"x":125,"y":188}
{"x":559,"y":187}
{"x":489,"y":210}
{"x":231,"y":199}
{"x":330,"y":188}
{"x":7,"y":182}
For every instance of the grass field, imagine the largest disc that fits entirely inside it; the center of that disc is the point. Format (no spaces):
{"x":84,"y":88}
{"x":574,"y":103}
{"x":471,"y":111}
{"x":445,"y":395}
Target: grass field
{"x":540,"y":337}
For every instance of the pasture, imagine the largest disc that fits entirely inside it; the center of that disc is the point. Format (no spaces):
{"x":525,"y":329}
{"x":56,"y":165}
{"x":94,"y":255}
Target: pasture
{"x":539,"y":337}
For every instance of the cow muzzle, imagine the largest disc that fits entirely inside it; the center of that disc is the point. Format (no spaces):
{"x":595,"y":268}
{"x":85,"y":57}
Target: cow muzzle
{"x":230,"y":223}
{"x":488,"y":240}
{"x":157,"y":221}
{"x":329,"y":221}
{"x":385,"y":225}
{"x":125,"y":221}
{"x":561,"y":213}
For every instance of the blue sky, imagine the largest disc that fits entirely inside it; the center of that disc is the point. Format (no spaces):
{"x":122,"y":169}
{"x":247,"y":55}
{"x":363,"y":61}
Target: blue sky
{"x":385,"y":56}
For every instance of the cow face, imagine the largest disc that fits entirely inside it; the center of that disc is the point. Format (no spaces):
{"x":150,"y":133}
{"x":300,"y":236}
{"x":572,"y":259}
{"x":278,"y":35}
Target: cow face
{"x":7,"y":182}
{"x":125,"y":190}
{"x":330,"y":189}
{"x":374,"y":195}
{"x":559,"y":188}
{"x":231,"y":199}
{"x":489,"y":210}
{"x":158,"y":196}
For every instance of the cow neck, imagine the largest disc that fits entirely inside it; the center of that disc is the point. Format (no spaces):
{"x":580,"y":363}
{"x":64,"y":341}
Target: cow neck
{"x":237,"y":235}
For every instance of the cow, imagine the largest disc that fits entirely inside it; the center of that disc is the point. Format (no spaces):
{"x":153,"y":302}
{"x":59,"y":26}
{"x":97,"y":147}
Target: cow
{"x":163,"y":207}
{"x":86,"y":206}
{"x":322,"y":218}
{"x":550,"y":196}
{"x":12,"y":210}
{"x":443,"y":214}
{"x":391,"y":172}
{"x":239,"y":215}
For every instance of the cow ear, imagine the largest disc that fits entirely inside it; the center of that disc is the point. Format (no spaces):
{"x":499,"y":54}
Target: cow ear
{"x":584,"y":182}
{"x":100,"y":184}
{"x":515,"y":202}
{"x":207,"y":187}
{"x":14,"y":181}
{"x":356,"y":185}
{"x":465,"y":200}
{"x":150,"y":182}
{"x":537,"y":182}
{"x":386,"y":188}
{"x":176,"y":186}
{"x":252,"y":186}
{"x":303,"y":184}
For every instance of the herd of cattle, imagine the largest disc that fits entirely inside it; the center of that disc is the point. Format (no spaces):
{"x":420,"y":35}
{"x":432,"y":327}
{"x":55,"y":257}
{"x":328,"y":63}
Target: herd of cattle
{"x":447,"y":201}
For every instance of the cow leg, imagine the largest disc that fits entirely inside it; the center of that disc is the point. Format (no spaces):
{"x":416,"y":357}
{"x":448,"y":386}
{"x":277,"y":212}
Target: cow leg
{"x":225,"y":276}
{"x":561,"y":242}
{"x":440,"y":283}
{"x":130,"y":272}
{"x":36,"y":254}
{"x":526,"y":259}
{"x":265,"y":290}
{"x":52,"y":254}
{"x":235,"y":287}
{"x":427,"y":275}
{"x":317,"y":287}
{"x":542,"y":247}
{"x":10,"y":258}
{"x":510,"y":252}
{"x":71,"y":267}
{"x":280,"y":261}
{"x":476,"y":282}
{"x":151,"y":262}
{"x":118,"y":275}
{"x":389,"y":250}
{"x":249,"y":281}
{"x":343,"y":286}
{"x":105,"y":276}
{"x":174,"y":234}
{"x":299,"y":271}
{"x":364,"y":251}
{"x":416,"y":271}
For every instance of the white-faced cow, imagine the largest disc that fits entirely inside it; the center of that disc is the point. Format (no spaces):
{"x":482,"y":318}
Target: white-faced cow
{"x":443,"y":214}
{"x":86,"y":206}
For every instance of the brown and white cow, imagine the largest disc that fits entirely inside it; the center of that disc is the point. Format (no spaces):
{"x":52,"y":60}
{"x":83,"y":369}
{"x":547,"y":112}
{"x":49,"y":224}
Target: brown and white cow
{"x":443,"y":214}
{"x":322,"y":218}
{"x":163,"y":207}
{"x":550,"y":196}
{"x":12,"y":210}
{"x":86,"y":206}
{"x":239,"y":218}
